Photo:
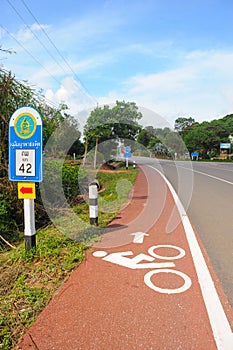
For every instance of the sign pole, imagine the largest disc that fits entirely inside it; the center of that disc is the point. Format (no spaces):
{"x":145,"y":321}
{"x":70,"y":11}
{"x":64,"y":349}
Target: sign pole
{"x":29,"y":224}
{"x":127,"y":155}
{"x":127,"y":163}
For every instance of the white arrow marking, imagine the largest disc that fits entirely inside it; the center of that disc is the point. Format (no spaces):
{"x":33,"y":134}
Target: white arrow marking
{"x":138,"y":237}
{"x":132,"y":263}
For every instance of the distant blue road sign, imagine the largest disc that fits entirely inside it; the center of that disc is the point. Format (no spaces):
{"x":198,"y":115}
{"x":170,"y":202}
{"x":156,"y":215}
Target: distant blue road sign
{"x":225,"y":145}
{"x":127,"y":155}
{"x":25,"y":145}
{"x":195,"y":154}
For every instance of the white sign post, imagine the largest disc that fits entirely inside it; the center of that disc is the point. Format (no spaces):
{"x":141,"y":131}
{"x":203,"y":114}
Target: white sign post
{"x":25,"y":163}
{"x":127,"y":155}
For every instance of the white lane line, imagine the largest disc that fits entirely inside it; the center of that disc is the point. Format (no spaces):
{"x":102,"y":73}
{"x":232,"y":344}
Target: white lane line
{"x":213,"y":177}
{"x":220,"y":326}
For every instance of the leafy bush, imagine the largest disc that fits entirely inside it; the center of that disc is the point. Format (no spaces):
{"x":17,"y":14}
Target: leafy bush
{"x":70,"y":180}
{"x":59,"y":177}
{"x":11,"y":215}
{"x":5,"y":229}
{"x":60,"y":181}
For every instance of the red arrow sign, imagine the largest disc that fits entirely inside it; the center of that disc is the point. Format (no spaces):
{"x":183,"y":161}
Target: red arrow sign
{"x":24,"y":190}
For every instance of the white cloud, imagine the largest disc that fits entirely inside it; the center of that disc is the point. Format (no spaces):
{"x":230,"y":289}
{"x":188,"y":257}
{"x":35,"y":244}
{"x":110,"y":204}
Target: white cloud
{"x":71,"y":93}
{"x":26,"y":33}
{"x":201,"y":87}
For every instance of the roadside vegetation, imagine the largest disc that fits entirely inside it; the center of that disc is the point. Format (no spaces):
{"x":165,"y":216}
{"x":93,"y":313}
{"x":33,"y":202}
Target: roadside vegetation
{"x":190,"y":136}
{"x":206,"y":137}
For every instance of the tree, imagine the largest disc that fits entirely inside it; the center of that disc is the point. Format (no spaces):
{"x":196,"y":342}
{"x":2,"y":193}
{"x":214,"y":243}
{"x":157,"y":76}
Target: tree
{"x":228,"y":122}
{"x":117,"y":123}
{"x":144,"y":137}
{"x":195,"y":140}
{"x":183,"y":125}
{"x":174,"y":143}
{"x":207,"y":136}
{"x":77,"y":148}
{"x":61,"y":132}
{"x":12,"y":96}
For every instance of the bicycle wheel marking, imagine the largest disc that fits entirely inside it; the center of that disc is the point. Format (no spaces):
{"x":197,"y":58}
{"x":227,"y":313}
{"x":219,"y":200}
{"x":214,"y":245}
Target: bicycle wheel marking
{"x":179,"y":256}
{"x":187,"y":281}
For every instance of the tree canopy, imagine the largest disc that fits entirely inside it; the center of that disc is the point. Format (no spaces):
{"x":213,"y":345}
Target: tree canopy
{"x":183,"y":125}
{"x":118,"y":122}
{"x":207,"y":136}
{"x":161,"y":141}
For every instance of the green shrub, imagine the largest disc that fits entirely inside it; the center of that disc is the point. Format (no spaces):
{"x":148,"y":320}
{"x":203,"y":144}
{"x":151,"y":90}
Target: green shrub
{"x":70,"y":180}
{"x":11,"y":216}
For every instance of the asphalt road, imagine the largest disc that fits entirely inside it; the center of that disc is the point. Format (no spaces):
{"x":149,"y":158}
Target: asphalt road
{"x":206,"y":191}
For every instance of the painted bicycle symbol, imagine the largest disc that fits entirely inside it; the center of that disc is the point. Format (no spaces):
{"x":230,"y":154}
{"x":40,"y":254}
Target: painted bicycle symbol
{"x":138,"y":262}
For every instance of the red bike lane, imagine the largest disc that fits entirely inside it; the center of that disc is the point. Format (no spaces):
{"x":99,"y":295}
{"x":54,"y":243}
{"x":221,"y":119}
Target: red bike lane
{"x":139,"y":288}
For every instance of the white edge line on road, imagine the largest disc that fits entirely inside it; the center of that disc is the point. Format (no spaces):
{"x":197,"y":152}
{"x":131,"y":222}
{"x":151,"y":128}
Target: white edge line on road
{"x":213,"y":177}
{"x":220,"y":326}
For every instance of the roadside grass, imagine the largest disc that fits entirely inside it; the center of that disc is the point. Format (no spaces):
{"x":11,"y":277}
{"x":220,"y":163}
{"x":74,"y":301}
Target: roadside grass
{"x":116,"y":190}
{"x":28,"y":280}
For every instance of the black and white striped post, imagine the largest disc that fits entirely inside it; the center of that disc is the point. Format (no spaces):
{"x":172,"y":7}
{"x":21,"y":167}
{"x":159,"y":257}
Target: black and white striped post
{"x":93,"y":202}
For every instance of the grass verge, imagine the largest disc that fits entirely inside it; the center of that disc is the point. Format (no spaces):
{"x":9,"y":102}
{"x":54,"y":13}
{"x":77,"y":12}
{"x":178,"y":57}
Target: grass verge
{"x":28,"y":281}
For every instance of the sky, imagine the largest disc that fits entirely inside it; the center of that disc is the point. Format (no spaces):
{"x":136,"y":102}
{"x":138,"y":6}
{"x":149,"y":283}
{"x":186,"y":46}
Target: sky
{"x":172,"y":57}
